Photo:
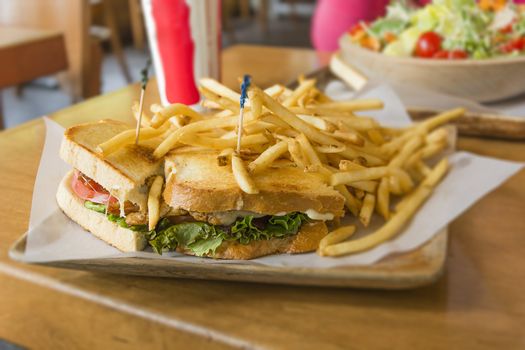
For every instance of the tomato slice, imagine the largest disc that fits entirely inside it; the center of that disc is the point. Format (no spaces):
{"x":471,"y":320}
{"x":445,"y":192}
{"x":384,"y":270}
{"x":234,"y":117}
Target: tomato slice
{"x":428,"y":44}
{"x":89,"y":190}
{"x":514,"y":45}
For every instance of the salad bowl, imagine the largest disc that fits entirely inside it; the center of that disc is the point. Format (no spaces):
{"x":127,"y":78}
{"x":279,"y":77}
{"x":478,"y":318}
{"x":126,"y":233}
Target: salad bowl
{"x":486,"y":80}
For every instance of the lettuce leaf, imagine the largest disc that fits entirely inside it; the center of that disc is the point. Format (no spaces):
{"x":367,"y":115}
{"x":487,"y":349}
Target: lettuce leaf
{"x":101,"y":208}
{"x":203,"y":238}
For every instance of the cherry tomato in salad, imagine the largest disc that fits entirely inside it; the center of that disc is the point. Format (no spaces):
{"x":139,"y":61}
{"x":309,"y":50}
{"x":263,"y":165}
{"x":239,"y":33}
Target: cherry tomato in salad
{"x":356,"y":28}
{"x":514,"y":45}
{"x":428,"y":44}
{"x":89,"y":190}
{"x":451,"y":55}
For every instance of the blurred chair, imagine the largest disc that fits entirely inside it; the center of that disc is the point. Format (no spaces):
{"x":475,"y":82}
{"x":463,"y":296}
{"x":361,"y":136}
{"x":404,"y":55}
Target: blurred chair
{"x":110,"y":32}
{"x":70,"y":17}
{"x":27,"y":54}
{"x":137,"y":24}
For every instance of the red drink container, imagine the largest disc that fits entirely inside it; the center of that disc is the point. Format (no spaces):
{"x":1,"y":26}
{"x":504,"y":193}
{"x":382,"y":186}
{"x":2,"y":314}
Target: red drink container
{"x":185,"y":43}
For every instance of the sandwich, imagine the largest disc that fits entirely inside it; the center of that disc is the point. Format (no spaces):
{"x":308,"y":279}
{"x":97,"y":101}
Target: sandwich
{"x":203,"y":211}
{"x":107,"y":195}
{"x":287,"y":215}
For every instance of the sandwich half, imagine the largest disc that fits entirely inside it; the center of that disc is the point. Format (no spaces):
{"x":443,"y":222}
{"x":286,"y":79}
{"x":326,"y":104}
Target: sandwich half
{"x":107,"y":195}
{"x":203,"y":211}
{"x":217,"y":219}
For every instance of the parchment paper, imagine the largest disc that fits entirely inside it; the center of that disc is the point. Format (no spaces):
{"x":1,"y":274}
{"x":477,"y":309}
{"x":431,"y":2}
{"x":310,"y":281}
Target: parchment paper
{"x":52,"y":236}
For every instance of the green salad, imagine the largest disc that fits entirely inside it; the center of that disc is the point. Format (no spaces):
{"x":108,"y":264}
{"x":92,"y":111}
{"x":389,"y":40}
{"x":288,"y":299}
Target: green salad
{"x":446,"y":29}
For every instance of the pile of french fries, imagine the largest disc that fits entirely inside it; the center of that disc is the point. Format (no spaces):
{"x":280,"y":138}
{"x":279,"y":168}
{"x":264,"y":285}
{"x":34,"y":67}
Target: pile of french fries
{"x":370,"y":165}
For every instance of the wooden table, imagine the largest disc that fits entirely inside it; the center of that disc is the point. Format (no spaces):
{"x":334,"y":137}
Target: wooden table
{"x":478,"y":304}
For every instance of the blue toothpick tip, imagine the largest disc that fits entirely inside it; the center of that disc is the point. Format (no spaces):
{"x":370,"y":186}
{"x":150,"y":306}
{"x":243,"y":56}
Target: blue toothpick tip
{"x":244,"y":88}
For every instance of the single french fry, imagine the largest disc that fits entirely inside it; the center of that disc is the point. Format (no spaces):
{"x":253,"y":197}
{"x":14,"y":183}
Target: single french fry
{"x":351,"y":106}
{"x":266,"y":158}
{"x":222,"y":101}
{"x":256,"y":103}
{"x":322,"y":150}
{"x":336,"y":236}
{"x":437,"y":173}
{"x":394,"y":185}
{"x":348,"y":165}
{"x":383,"y":198}
{"x":346,"y":178}
{"x":352,"y":203}
{"x":275,"y":90}
{"x":376,"y":137}
{"x":220,"y":143}
{"x":406,"y":151}
{"x":224,"y":156}
{"x":145,"y":121}
{"x":308,"y":150}
{"x":317,"y":122}
{"x":126,"y":137}
{"x":302,"y":89}
{"x":405,"y":181}
{"x":367,"y":186}
{"x":441,"y":119}
{"x":349,"y":136}
{"x":210,"y":104}
{"x":154,"y":202}
{"x":172,"y":110}
{"x":219,"y":89}
{"x":242,"y":177}
{"x":353,"y":154}
{"x":439,"y":135}
{"x":296,"y":153}
{"x":367,"y":209}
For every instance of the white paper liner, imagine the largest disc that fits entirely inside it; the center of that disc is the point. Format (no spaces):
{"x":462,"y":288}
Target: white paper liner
{"x":52,"y":236}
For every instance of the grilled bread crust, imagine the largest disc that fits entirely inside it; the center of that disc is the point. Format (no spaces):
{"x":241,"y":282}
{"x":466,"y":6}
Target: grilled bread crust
{"x":306,"y":240}
{"x":196,"y":182}
{"x":122,"y":172}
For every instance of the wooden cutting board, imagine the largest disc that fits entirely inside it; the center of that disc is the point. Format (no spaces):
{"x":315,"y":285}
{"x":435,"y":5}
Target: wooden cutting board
{"x":414,"y":269}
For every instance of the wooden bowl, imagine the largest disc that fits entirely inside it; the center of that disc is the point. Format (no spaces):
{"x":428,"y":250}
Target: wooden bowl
{"x":479,"y":80}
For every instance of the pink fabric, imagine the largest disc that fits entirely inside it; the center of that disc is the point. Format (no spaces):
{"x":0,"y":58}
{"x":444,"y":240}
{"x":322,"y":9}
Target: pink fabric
{"x":334,"y":17}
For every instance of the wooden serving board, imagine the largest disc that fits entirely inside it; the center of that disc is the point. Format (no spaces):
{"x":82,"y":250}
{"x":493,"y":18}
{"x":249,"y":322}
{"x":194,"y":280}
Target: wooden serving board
{"x":471,"y":124}
{"x":413,"y":269}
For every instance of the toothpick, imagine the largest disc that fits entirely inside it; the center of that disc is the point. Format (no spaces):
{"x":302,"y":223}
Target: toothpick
{"x":244,"y":89}
{"x":144,"y":75}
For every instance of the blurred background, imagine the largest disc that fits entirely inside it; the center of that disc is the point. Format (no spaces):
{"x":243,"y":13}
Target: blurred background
{"x":54,"y":53}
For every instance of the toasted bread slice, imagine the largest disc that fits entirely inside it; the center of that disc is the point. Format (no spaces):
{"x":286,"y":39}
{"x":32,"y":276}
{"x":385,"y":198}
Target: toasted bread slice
{"x":306,"y":240}
{"x":196,"y":182}
{"x":124,"y":172}
{"x":96,"y":223}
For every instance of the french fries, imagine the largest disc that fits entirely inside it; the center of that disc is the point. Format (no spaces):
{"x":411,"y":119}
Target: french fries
{"x":368,"y":164}
{"x":392,"y":227}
